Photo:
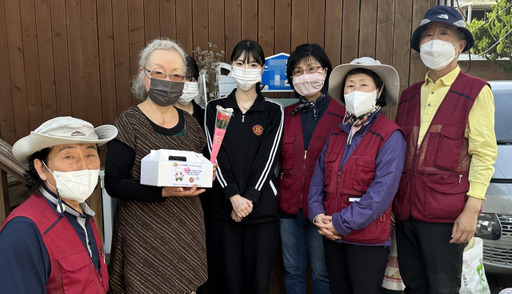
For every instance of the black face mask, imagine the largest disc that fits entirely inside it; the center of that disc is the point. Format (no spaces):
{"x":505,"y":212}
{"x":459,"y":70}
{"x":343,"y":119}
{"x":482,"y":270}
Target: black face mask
{"x":165,"y":93}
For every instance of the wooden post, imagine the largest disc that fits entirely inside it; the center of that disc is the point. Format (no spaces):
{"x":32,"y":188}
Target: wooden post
{"x":5,"y":206}
{"x":95,"y":203}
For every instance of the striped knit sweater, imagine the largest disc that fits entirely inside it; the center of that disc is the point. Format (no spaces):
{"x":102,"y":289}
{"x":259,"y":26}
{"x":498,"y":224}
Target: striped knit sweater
{"x":158,"y":247}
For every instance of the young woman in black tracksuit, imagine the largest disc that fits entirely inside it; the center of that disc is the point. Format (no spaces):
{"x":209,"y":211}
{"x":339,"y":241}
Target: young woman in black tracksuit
{"x":244,"y":207}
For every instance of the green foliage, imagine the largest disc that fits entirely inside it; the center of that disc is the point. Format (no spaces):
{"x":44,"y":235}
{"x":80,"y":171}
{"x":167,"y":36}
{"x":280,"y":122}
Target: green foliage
{"x":494,"y":38}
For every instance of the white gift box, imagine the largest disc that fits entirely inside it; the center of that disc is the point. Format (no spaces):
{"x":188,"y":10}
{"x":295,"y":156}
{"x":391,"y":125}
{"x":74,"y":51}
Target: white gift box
{"x":176,"y":168}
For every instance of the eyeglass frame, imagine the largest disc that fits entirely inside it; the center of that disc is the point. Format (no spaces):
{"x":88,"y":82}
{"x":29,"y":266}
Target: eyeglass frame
{"x":171,"y":76}
{"x":306,"y":71}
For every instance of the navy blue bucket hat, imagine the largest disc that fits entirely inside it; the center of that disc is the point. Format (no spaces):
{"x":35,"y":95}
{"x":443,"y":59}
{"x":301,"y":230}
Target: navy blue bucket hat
{"x":446,"y":14}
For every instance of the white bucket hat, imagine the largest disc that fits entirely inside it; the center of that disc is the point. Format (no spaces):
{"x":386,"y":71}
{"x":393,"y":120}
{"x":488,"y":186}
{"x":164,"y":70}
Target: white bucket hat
{"x":387,"y":73}
{"x":61,"y":130}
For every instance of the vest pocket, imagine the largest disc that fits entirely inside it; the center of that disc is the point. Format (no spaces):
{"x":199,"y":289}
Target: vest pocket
{"x":376,"y":232}
{"x":330,"y":168}
{"x":316,"y":144}
{"x":445,"y":196}
{"x":449,"y":148}
{"x":76,"y":274}
{"x":287,"y":152}
{"x":364,"y":173}
{"x":411,"y":146}
{"x":401,"y":202}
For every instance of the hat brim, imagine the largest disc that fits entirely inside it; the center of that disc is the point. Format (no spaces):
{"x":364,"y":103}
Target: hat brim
{"x":416,"y":36}
{"x":34,"y":142}
{"x":387,"y":73}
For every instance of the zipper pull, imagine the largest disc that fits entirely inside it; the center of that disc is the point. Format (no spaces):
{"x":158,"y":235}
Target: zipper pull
{"x":243,"y":117}
{"x":460,"y":178}
{"x":339,"y":174}
{"x":305,"y":154}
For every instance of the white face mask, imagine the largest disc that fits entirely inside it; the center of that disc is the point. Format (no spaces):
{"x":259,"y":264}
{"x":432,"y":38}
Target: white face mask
{"x":190,"y":91}
{"x":437,"y":54}
{"x":75,"y":185}
{"x":246,"y":78}
{"x":359,"y":103}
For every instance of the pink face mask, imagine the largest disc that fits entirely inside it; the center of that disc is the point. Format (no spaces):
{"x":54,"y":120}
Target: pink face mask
{"x":308,"y":85}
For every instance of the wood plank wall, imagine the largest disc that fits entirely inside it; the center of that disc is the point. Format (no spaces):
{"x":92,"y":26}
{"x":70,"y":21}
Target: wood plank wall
{"x":77,"y":57}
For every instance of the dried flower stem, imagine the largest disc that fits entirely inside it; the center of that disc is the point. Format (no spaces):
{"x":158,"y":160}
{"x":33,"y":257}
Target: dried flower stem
{"x":208,"y":62}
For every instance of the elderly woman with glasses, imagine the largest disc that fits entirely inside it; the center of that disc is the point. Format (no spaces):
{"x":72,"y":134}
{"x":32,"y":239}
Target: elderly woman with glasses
{"x":307,"y":124}
{"x":159,"y":239}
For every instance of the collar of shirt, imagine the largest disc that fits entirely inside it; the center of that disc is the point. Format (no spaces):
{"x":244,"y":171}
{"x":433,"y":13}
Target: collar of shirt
{"x":447,"y":79}
{"x":258,"y":105}
{"x":54,"y":199}
{"x":314,"y":106}
{"x":432,"y":95}
{"x":346,"y":127}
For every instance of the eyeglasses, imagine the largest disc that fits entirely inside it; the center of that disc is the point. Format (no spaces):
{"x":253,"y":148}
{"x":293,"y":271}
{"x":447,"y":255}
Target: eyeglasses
{"x":309,"y":70}
{"x":161,"y":75}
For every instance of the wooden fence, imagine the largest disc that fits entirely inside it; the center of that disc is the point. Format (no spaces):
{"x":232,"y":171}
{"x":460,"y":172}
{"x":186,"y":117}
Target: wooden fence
{"x":77,"y":57}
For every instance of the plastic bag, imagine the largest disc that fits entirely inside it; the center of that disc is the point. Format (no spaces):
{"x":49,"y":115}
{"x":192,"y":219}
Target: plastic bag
{"x":392,"y":279}
{"x":473,"y":273}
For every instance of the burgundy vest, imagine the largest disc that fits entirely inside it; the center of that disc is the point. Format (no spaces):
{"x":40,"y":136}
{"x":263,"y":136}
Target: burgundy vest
{"x":344,"y":187}
{"x":72,"y":270}
{"x":435,"y":177}
{"x":297,"y":166}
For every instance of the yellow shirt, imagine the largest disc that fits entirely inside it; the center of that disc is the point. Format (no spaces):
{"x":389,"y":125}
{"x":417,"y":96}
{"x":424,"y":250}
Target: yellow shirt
{"x":479,"y":130}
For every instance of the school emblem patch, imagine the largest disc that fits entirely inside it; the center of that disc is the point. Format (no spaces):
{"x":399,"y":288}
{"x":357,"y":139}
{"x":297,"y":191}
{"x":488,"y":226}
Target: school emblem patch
{"x":257,"y":130}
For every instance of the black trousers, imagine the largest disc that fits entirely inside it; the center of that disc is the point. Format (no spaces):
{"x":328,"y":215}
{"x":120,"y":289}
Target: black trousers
{"x":355,"y":269}
{"x":243,"y":256}
{"x":428,"y":262}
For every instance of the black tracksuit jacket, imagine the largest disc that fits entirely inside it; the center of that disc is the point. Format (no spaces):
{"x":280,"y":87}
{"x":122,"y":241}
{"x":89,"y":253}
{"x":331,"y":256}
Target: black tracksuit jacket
{"x":248,"y":158}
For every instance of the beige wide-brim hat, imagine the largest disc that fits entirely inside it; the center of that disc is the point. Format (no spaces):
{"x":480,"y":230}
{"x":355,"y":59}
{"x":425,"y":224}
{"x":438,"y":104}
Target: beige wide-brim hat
{"x":387,"y":73}
{"x":61,"y":130}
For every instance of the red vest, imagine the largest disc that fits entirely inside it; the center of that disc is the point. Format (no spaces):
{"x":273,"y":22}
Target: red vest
{"x":343,"y":187}
{"x":435,"y":177}
{"x":72,"y":270}
{"x":297,"y":166}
